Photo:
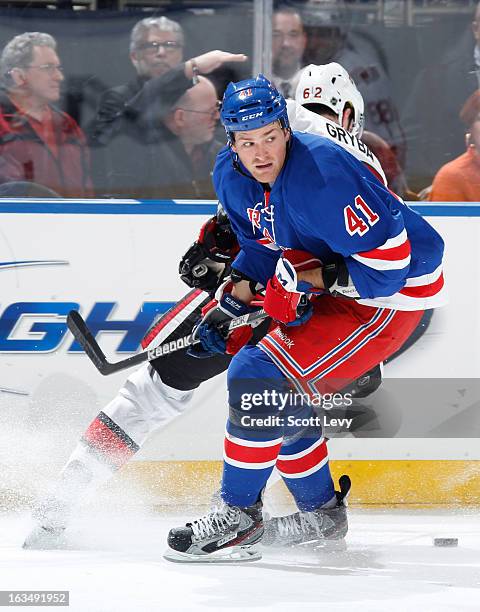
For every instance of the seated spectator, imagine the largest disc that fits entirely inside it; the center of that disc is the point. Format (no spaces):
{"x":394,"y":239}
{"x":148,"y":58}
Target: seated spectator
{"x":459,"y":180}
{"x":180,"y":163}
{"x":430,"y":114}
{"x":128,"y":117}
{"x":38,"y":142}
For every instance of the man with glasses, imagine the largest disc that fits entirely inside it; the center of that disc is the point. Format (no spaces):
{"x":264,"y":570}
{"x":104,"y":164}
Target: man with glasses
{"x":188,"y":150}
{"x":127,"y":127}
{"x":39,"y":143}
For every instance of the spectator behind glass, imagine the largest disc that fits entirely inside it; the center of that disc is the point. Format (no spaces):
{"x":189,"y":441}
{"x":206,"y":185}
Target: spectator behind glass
{"x":126,"y":129}
{"x":187,"y":153}
{"x":459,"y":180}
{"x":288,"y":46}
{"x":393,"y":171}
{"x":38,"y":142}
{"x":319,"y":35}
{"x":430,"y":114}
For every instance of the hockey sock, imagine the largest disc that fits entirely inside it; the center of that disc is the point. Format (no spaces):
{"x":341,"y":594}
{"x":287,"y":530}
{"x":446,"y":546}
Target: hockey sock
{"x":102,"y":450}
{"x":109,"y":442}
{"x":246,"y":468}
{"x":305,"y":470}
{"x":254,"y":432}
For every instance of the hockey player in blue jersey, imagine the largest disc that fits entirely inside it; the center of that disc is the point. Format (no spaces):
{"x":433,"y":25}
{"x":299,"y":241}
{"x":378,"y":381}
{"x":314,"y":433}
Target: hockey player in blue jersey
{"x":348,"y":270}
{"x":164,"y":388}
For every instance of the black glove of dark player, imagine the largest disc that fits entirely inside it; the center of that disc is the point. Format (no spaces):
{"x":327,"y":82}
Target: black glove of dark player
{"x":207,"y":261}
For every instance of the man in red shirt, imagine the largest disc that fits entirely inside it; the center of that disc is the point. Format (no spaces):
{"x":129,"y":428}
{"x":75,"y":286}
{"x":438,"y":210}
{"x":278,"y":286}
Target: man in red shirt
{"x":38,"y":142}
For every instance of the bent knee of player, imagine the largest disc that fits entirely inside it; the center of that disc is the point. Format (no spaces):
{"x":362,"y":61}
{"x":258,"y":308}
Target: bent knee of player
{"x":145,"y":404}
{"x":252,"y":363}
{"x":254,"y":384}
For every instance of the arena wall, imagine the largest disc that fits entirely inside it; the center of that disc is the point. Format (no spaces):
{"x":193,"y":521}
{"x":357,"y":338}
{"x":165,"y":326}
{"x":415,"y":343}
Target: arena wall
{"x":116,"y":261}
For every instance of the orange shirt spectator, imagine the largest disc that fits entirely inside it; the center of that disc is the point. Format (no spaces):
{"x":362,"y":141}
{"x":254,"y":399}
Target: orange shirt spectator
{"x":459,"y":180}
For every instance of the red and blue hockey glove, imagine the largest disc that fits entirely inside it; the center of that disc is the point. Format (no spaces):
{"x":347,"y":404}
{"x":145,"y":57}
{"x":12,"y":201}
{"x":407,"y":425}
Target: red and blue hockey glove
{"x":286,"y":298}
{"x":215,"y":314}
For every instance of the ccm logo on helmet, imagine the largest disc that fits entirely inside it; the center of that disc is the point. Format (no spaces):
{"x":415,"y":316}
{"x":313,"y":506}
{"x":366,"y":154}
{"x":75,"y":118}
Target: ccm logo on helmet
{"x":254,"y":116}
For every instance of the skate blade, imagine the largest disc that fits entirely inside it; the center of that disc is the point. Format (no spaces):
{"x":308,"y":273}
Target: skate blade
{"x":41,"y":539}
{"x":327,"y":546}
{"x":236,"y":554}
{"x":315,"y":544}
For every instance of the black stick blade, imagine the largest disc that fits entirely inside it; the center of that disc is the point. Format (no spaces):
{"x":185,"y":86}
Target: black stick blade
{"x":85,"y":338}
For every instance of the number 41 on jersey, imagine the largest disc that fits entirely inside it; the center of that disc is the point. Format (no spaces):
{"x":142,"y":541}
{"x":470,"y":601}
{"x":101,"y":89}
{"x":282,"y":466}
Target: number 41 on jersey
{"x":354,"y":221}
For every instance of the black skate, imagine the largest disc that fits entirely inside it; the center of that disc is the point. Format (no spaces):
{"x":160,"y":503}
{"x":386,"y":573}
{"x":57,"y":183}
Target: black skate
{"x":317,"y":528}
{"x":50,"y":518}
{"x":225,"y":534}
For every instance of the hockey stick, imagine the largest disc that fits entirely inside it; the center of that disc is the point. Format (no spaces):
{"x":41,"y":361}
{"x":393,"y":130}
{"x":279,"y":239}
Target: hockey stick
{"x":87,"y":341}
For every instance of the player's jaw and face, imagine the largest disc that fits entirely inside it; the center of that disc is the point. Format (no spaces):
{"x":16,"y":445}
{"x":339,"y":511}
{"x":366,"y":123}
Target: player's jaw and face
{"x":263,"y":151}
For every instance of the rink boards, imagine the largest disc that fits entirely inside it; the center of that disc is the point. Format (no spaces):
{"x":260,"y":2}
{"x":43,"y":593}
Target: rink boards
{"x":116,"y":261}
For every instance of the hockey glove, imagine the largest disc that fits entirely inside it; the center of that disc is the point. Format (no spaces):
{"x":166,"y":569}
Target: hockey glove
{"x":204,"y":264}
{"x":338,"y":281}
{"x":215,"y":315}
{"x":286,"y":297}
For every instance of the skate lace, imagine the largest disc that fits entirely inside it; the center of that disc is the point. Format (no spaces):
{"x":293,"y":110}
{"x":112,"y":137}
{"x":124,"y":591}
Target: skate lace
{"x":298,"y":524}
{"x":215,"y":522}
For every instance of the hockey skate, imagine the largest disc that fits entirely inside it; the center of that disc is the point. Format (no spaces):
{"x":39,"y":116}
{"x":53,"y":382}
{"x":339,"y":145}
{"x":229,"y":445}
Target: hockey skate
{"x":227,"y":533}
{"x":50,"y":518}
{"x":325,"y":527}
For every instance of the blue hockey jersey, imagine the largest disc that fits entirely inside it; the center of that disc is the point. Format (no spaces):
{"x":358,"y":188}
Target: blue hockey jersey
{"x":326,"y":202}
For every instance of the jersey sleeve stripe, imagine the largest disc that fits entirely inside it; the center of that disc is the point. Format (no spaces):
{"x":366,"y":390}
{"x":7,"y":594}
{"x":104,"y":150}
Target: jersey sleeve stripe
{"x":383,"y":264}
{"x":427,"y":290}
{"x":425,"y":279}
{"x":393,"y":254}
{"x":400,"y":252}
{"x":391,"y":243}
{"x":396,"y":241}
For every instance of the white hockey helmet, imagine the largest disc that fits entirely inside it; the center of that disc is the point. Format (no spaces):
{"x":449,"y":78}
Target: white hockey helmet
{"x":330,"y":85}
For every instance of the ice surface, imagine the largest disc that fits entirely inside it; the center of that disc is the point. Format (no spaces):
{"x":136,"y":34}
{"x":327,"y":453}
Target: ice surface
{"x":115,"y":564}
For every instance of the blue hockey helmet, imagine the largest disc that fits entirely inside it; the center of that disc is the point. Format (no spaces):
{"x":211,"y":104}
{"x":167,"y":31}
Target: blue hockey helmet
{"x":251,"y":104}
